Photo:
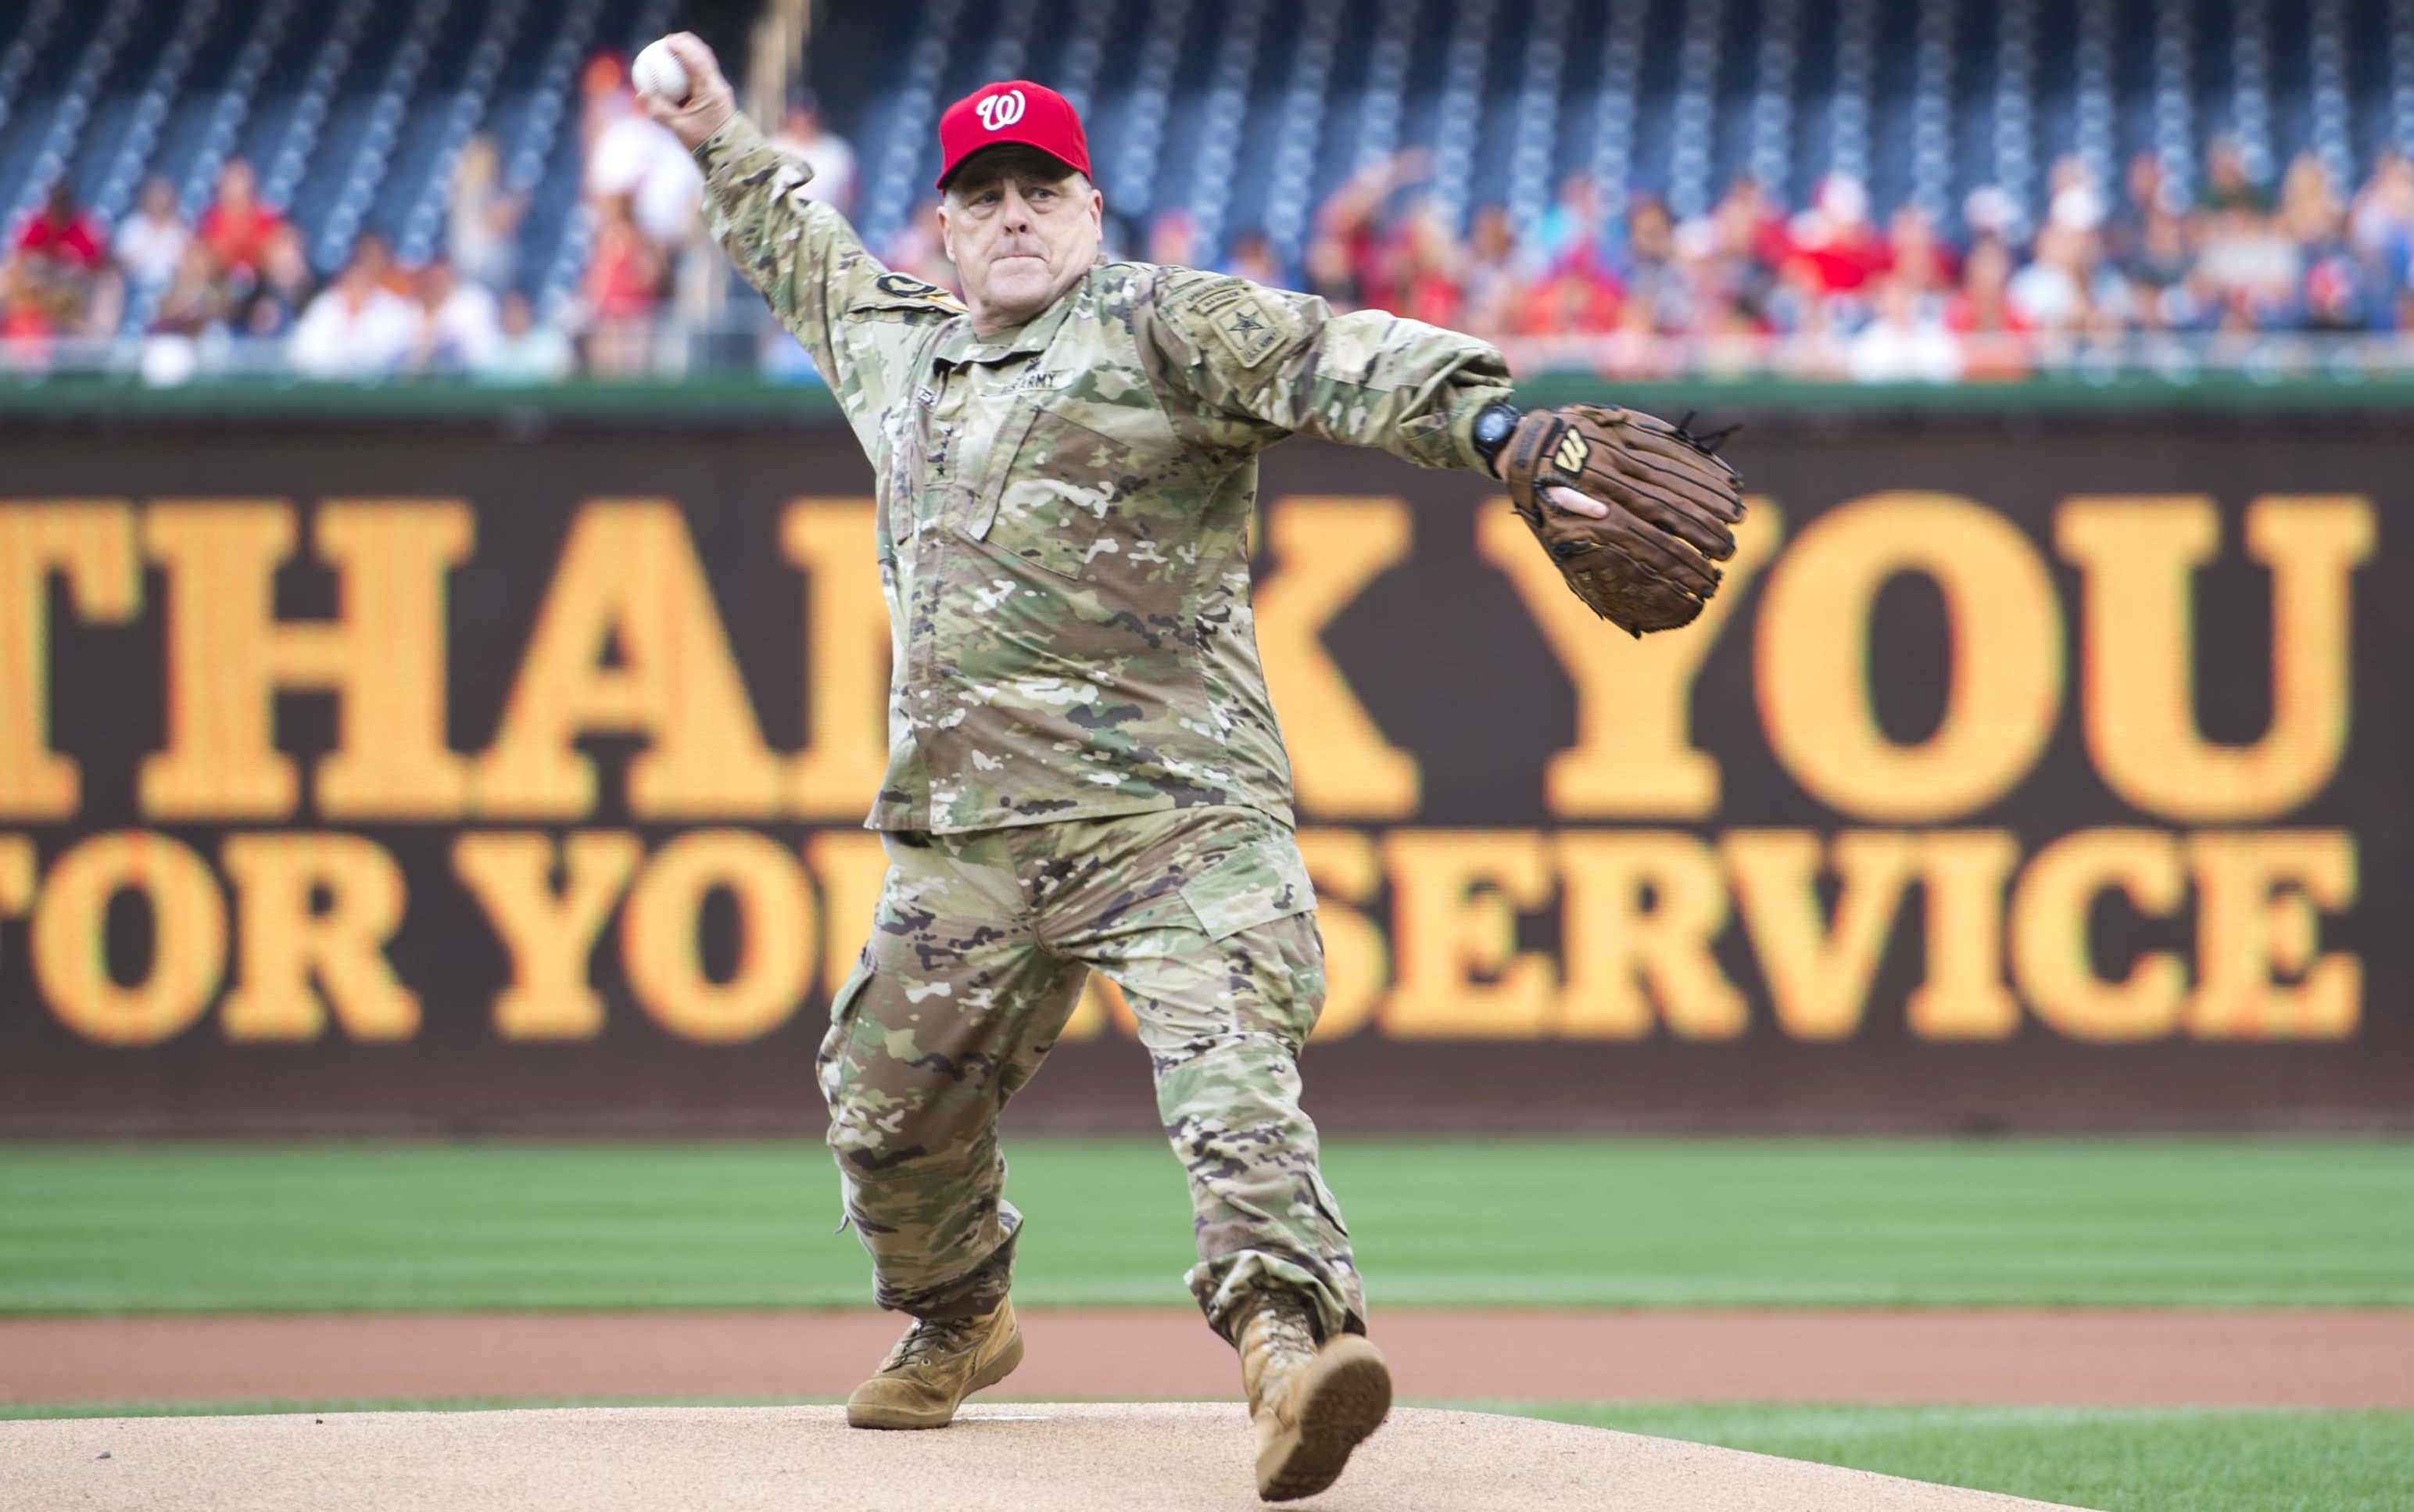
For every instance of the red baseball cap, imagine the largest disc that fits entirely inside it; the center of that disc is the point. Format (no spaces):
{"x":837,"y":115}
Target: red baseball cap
{"x":1014,"y":110}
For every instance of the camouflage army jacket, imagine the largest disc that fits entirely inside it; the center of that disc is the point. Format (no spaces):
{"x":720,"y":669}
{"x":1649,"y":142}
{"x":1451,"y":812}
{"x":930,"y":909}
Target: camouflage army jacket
{"x":1063,"y":507}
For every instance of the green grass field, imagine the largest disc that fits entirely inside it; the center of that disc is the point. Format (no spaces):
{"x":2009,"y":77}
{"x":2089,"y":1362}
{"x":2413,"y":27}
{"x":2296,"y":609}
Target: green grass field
{"x":196,"y":1227}
{"x":2118,"y":1459}
{"x":2230,"y":1222}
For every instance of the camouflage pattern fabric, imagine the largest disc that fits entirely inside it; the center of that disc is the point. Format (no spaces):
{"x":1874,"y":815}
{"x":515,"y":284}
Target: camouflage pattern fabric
{"x":1063,"y":507}
{"x":977,"y":957}
{"x":1084,"y":769}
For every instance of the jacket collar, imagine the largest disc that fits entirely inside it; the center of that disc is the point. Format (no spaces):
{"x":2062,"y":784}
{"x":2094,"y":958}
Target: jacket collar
{"x":961,"y":346}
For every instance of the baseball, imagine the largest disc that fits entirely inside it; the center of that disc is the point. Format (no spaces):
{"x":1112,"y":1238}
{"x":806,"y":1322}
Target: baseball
{"x":659,"y":71}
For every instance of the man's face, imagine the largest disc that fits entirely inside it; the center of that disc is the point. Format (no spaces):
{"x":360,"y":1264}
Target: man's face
{"x":1021,"y":230}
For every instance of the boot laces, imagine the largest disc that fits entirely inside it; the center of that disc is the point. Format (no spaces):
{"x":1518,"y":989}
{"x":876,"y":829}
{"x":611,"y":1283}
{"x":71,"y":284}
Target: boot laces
{"x":1277,"y":1329}
{"x":931,"y":1338}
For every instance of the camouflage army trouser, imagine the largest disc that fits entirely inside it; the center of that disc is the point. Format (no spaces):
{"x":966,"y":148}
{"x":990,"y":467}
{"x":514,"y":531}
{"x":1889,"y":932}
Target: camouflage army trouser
{"x":977,"y":957}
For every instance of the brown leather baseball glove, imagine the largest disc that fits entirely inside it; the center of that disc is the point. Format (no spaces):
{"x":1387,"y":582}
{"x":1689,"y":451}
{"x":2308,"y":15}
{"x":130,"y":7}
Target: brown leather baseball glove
{"x":1645,"y":565}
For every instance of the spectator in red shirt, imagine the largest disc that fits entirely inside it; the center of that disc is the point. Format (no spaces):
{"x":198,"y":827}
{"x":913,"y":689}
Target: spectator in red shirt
{"x":624,"y":281}
{"x":238,"y":227}
{"x":1985,"y":317}
{"x":1350,"y":260}
{"x":64,"y":236}
{"x":1836,"y":237}
{"x":1576,"y":300}
{"x":30,"y":315}
{"x":1427,"y":259}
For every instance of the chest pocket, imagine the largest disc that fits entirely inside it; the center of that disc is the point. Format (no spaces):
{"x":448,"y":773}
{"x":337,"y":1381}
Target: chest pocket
{"x":1049,"y":490}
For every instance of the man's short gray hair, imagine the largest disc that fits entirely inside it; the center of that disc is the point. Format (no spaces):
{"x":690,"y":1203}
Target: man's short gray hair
{"x":1015,"y":159}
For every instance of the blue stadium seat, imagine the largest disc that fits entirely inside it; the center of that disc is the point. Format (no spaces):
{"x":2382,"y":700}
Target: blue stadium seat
{"x":1244,"y":113}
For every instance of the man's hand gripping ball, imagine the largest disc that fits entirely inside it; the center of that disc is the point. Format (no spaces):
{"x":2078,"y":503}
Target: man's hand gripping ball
{"x":1632,"y":510}
{"x":710,"y":101}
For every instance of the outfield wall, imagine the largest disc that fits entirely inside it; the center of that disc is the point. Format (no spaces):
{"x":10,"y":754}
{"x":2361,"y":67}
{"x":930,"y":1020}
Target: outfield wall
{"x":500,"y":772}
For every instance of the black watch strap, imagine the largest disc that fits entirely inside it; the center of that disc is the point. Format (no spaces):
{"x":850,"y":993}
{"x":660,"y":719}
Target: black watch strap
{"x":1493,"y":425}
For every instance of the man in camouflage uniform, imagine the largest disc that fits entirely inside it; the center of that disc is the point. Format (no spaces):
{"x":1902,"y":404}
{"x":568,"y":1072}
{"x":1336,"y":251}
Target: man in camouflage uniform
{"x":1084,"y":767}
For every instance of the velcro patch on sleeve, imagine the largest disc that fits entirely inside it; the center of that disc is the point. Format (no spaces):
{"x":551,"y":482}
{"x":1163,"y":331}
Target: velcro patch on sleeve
{"x":1250,"y":323}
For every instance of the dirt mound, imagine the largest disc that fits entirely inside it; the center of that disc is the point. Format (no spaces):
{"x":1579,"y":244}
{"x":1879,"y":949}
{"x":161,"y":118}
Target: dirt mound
{"x":1178,"y":1457}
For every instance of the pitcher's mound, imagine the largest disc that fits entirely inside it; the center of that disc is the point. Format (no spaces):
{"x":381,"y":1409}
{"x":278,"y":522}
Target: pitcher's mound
{"x":1177,"y":1457}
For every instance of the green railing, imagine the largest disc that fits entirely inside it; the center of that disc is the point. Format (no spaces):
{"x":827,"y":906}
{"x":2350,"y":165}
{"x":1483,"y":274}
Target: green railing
{"x":722,"y":399}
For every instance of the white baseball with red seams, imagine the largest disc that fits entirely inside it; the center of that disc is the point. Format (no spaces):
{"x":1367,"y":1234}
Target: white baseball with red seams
{"x":658,"y":71}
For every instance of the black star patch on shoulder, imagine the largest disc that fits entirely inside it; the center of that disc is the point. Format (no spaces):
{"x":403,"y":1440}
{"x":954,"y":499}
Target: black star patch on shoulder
{"x":1251,"y":340}
{"x":1247,"y":321}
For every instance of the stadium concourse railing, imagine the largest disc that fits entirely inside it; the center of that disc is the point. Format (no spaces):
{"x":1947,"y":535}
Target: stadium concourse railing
{"x":716,"y":397}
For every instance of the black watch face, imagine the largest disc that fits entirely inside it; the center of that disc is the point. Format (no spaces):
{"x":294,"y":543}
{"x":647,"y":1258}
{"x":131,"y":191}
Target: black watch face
{"x":1492,"y":427}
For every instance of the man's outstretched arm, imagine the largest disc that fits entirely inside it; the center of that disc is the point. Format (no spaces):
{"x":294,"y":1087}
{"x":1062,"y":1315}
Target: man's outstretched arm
{"x":801,"y":255}
{"x":1289,"y":362}
{"x":1635,"y":513}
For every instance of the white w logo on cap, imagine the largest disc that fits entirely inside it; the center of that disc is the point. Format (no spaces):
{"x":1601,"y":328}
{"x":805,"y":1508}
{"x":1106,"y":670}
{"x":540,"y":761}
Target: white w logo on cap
{"x":999,"y":111}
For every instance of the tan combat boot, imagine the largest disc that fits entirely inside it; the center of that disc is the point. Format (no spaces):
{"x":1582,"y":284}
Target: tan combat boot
{"x":1310,"y":1405}
{"x":938,"y":1363}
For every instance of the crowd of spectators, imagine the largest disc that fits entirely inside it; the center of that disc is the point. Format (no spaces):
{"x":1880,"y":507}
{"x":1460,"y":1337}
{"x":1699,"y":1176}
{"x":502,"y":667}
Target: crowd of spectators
{"x":234,"y":288}
{"x":1827,"y":290}
{"x":237,"y":279}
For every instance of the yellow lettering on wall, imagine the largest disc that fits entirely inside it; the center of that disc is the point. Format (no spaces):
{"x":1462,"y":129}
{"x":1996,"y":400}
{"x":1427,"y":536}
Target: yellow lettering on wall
{"x":2258,"y":894}
{"x":1642,"y":909}
{"x":90,"y":545}
{"x":1348,"y":872}
{"x":2051,"y":958}
{"x":629,"y":577}
{"x":1812,"y":657}
{"x":17,"y":867}
{"x":70,"y":948}
{"x":1455,"y":897}
{"x":1819,"y":970}
{"x":846,"y":658}
{"x":1634,"y":755}
{"x":2139,"y":557}
{"x":550,"y":932}
{"x":323,"y":907}
{"x":1326,"y":551}
{"x":660,"y":949}
{"x":383,"y":655}
{"x":1102,"y":1003}
{"x":1962,"y":874}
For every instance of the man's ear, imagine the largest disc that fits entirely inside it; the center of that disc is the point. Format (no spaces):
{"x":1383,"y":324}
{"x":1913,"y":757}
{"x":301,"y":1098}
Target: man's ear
{"x":947,"y":233}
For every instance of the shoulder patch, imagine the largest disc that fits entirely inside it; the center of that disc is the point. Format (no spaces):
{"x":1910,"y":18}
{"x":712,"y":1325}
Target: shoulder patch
{"x":1251,"y":324}
{"x":895,"y":289}
{"x":905,"y":286}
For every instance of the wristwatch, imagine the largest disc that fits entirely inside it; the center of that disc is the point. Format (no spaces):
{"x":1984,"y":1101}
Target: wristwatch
{"x":1490,"y":432}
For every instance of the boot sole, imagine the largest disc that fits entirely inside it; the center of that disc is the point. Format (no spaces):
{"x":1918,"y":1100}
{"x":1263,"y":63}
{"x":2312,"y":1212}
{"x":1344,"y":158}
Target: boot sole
{"x":1345,"y":1401}
{"x":870,"y":1415}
